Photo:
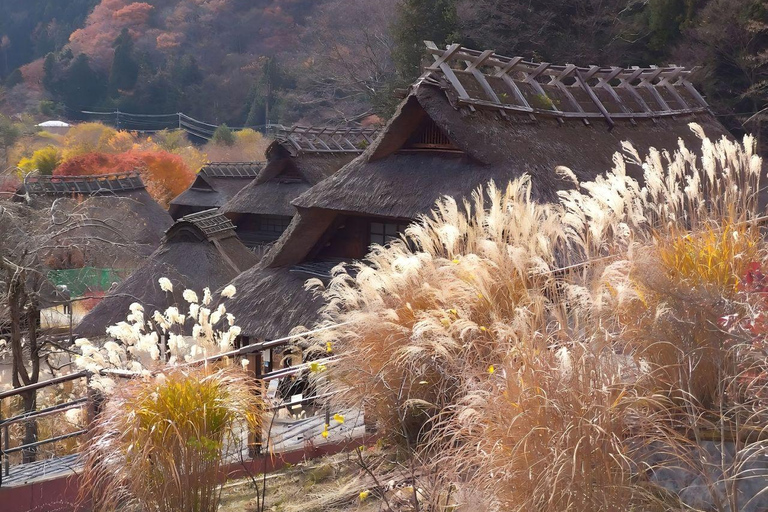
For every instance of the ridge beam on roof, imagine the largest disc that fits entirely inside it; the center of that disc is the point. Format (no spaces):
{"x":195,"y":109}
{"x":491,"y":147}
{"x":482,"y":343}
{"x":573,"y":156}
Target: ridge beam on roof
{"x":530,"y":78}
{"x":666,"y":82}
{"x":604,"y":83}
{"x":626,"y":84}
{"x":647,"y":83}
{"x":441,"y":63}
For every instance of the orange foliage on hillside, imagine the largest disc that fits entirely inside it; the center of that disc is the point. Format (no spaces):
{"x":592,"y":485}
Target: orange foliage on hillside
{"x":165,"y":175}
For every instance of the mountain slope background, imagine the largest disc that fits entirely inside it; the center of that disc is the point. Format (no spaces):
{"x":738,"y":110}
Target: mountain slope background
{"x":249,"y":62}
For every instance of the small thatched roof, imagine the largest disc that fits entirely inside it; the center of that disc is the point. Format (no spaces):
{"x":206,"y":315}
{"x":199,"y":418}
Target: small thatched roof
{"x":215,"y":184}
{"x":271,"y":302}
{"x":199,"y":250}
{"x":111,"y":220}
{"x":298,"y":158}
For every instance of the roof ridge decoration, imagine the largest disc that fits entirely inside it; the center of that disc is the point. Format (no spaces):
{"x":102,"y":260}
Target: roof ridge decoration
{"x":212,"y":224}
{"x":92,"y":184}
{"x":486,"y":80}
{"x":309,"y":139}
{"x":232,"y":169}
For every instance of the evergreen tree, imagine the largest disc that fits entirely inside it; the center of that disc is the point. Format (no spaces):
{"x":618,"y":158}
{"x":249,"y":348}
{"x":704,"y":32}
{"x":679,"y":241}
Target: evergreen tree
{"x":125,"y":69}
{"x":264,"y":98}
{"x":82,"y":87}
{"x":14,"y":78}
{"x":419,"y":21}
{"x":49,"y":74}
{"x":223,"y":136}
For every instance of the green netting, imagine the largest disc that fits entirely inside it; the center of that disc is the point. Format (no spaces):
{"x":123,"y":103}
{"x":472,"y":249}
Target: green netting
{"x":81,"y":280}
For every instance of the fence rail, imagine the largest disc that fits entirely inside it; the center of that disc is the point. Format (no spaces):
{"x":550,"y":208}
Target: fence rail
{"x":88,"y":401}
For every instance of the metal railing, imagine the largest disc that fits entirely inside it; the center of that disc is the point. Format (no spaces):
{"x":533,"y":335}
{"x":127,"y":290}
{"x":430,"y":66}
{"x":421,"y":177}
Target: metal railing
{"x":87,"y":402}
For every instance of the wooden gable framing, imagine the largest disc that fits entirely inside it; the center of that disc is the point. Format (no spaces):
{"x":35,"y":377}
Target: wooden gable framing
{"x":511,"y":84}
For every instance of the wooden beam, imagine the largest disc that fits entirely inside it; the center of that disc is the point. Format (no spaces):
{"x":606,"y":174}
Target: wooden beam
{"x":595,"y":100}
{"x":442,"y":65}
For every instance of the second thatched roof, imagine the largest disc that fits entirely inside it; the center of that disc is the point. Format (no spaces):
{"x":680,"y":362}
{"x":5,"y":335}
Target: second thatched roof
{"x":200,"y":250}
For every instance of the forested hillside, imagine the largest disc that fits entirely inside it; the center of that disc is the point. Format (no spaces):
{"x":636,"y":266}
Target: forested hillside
{"x":247,"y":62}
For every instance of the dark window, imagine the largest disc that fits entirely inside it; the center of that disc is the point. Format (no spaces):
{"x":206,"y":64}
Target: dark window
{"x":274,"y":223}
{"x":429,"y":136}
{"x":383,"y":232}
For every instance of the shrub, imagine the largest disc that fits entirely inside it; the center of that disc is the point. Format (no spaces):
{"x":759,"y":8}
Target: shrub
{"x":44,"y":160}
{"x":427,"y":314}
{"x":223,"y":136}
{"x":172,"y":140}
{"x":535,"y":387}
{"x":87,"y":138}
{"x":158,"y":443}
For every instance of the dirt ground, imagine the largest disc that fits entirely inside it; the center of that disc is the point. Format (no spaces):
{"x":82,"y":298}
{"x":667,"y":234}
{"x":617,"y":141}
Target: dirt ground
{"x":329,"y":483}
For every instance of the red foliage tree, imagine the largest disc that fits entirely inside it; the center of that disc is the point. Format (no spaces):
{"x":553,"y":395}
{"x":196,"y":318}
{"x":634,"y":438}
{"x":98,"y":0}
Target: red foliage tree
{"x":165,"y":175}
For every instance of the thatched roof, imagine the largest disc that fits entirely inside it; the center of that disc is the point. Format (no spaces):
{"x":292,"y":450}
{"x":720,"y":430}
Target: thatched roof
{"x":271,"y":302}
{"x":298,"y":158}
{"x":111,"y":220}
{"x":215,"y":184}
{"x":386,"y":182}
{"x":483,"y":141}
{"x":200,"y":250}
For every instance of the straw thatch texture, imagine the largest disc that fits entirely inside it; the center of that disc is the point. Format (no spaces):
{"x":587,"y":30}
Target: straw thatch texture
{"x":283,"y":179}
{"x":189,"y":259}
{"x":215,"y":184}
{"x":271,"y":302}
{"x":385,"y":183}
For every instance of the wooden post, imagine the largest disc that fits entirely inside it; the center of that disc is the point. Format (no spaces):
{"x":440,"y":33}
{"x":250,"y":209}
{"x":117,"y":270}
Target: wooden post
{"x":255,"y":368}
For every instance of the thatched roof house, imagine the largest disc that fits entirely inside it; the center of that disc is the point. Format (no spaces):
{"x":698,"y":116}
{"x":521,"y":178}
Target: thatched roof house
{"x":199,"y":250}
{"x":472,"y":117}
{"x":215,"y":184}
{"x":299,"y":158}
{"x":111,"y":220}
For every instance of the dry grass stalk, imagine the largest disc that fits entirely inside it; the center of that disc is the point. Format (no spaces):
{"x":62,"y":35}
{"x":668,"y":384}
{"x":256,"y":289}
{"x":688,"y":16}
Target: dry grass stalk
{"x":538,"y":390}
{"x":158,"y":442}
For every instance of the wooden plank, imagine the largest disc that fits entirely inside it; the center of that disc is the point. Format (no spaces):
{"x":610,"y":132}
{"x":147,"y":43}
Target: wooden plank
{"x":626,"y":84}
{"x":582,"y":115}
{"x":503,"y":73}
{"x":693,"y":92}
{"x":646,"y":82}
{"x":472,"y":67}
{"x":580,"y":80}
{"x":442,"y":65}
{"x":667,"y":83}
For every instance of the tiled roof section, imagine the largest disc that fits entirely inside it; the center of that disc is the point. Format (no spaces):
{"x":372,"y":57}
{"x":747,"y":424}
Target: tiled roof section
{"x":511,"y":84}
{"x":94,"y":185}
{"x":210,"y":222}
{"x":232,"y":169}
{"x":307,"y":139}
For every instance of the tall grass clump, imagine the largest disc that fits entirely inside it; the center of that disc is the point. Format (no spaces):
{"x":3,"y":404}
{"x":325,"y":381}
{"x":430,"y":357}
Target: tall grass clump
{"x":556,"y":430}
{"x":427,"y":313}
{"x":159,"y":444}
{"x":693,"y":235}
{"x":535,"y":357}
